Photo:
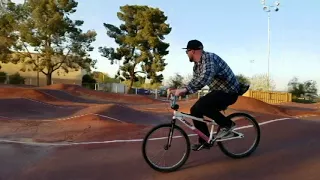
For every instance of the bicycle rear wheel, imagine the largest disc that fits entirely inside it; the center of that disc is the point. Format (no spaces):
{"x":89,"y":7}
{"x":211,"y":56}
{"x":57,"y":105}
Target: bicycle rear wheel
{"x":246,"y":123}
{"x":167,"y":137}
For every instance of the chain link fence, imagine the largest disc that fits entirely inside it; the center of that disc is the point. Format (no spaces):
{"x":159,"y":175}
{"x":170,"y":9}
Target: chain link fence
{"x":17,"y":79}
{"x":160,"y":93}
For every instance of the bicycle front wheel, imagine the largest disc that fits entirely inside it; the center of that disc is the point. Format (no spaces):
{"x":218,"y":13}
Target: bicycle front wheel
{"x":168,"y":141}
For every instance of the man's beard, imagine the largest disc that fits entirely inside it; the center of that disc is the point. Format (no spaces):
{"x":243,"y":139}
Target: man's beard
{"x":191,"y":59}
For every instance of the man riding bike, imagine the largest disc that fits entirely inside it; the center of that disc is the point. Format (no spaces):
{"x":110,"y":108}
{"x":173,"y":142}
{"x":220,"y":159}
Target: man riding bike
{"x":209,"y":69}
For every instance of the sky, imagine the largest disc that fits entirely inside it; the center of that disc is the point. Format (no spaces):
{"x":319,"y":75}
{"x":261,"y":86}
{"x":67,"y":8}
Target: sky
{"x":234,"y":30}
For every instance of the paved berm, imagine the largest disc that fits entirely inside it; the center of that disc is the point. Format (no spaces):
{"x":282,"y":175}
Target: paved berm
{"x":68,"y":132}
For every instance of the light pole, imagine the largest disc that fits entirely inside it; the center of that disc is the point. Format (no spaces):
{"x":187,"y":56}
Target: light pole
{"x":268,"y":9}
{"x":251,"y":62}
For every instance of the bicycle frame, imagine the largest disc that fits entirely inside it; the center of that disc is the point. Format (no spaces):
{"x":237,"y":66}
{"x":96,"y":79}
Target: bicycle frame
{"x":177,"y":115}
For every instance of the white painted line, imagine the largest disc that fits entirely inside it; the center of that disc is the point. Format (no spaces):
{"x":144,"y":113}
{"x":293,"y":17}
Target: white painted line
{"x":11,"y":118}
{"x":48,"y":104}
{"x":163,"y":100}
{"x":263,"y":123}
{"x":63,"y":119}
{"x":116,"y":141}
{"x":67,"y":118}
{"x":311,"y":115}
{"x":109,"y":117}
{"x":4,"y":117}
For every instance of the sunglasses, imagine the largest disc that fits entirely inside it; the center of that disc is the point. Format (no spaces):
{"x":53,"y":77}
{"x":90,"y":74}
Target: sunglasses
{"x":188,"y":50}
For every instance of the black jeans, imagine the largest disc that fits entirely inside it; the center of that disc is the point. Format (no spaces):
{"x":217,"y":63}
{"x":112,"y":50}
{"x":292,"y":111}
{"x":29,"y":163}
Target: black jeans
{"x":210,"y":106}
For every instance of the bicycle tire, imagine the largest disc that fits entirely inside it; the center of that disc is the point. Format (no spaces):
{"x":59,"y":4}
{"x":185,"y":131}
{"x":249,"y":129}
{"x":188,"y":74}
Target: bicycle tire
{"x":253,"y":148}
{"x":184,"y":159}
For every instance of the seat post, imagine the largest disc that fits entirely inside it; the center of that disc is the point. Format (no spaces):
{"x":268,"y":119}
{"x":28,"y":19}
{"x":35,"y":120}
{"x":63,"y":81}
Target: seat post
{"x":211,"y":131}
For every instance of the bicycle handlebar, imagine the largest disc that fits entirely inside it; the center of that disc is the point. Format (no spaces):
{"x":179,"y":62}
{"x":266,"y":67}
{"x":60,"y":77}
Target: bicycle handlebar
{"x":173,"y":101}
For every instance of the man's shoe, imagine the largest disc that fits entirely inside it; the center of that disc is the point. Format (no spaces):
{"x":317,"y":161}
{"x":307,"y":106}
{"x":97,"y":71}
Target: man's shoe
{"x":197,"y":147}
{"x":225,"y":132}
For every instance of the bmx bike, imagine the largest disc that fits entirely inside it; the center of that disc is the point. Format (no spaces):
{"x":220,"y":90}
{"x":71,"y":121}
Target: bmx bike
{"x":211,"y":140}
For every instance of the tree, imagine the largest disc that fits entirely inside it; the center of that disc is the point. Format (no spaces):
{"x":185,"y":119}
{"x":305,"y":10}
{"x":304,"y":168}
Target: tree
{"x":3,"y":4}
{"x":243,"y":79}
{"x":99,"y":76}
{"x":16,"y":78}
{"x":9,"y":15}
{"x":3,"y":77}
{"x":151,"y":86}
{"x":88,"y":81}
{"x":140,"y":39}
{"x":176,"y":81}
{"x":187,"y":79}
{"x":310,"y":88}
{"x":298,"y":89}
{"x":57,"y":41}
{"x":260,"y":82}
{"x":138,"y":83}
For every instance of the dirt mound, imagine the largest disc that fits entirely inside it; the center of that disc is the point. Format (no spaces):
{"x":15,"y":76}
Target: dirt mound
{"x":17,"y":85}
{"x":18,"y":92}
{"x":255,"y":105}
{"x":117,"y":97}
{"x":243,"y":104}
{"x":91,"y":127}
{"x":295,"y":105}
{"x":297,"y":109}
{"x":65,"y":96}
{"x":15,"y":108}
{"x":69,"y":87}
{"x":86,"y":128}
{"x":129,"y":115}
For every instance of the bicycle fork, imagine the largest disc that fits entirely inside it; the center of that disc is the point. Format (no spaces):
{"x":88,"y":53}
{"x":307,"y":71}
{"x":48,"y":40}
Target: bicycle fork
{"x":173,"y":122}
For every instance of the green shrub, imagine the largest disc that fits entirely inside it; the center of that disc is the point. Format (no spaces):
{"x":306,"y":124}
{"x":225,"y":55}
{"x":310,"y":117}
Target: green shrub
{"x":16,"y":79}
{"x":88,"y":81}
{"x":3,"y":77}
{"x":304,"y":101}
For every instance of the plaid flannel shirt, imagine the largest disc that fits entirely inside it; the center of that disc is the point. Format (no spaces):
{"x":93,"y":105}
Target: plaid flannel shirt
{"x":213,"y":72}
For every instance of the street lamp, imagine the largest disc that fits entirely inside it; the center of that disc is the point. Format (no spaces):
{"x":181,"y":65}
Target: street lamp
{"x":251,"y":62}
{"x":268,"y":9}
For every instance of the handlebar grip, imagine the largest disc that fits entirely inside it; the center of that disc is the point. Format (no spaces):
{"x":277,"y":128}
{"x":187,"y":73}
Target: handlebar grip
{"x":173,"y":103}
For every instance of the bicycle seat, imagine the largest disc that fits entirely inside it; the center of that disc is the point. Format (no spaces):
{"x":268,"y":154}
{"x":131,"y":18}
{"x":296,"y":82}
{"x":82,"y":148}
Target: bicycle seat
{"x":243,"y":88}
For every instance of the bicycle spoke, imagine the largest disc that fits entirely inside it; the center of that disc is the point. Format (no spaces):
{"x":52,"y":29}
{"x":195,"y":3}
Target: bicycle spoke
{"x":157,"y":153}
{"x":164,"y":159}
